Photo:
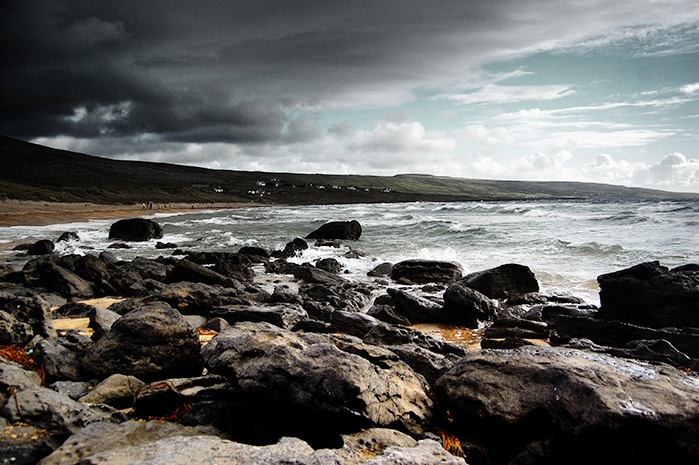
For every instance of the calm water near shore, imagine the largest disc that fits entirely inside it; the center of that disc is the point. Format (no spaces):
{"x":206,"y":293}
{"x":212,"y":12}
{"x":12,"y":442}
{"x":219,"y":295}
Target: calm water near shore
{"x":566,"y":243}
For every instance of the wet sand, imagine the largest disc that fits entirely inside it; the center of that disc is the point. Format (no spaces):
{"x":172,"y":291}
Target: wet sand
{"x":24,"y":212}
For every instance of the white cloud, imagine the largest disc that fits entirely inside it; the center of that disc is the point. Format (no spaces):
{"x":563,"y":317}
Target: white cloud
{"x":674,"y":172}
{"x":493,"y":93}
{"x":400,"y":138}
{"x":690,"y":88}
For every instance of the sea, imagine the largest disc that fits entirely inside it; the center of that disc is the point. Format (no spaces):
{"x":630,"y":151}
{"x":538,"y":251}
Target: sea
{"x":567,"y":244}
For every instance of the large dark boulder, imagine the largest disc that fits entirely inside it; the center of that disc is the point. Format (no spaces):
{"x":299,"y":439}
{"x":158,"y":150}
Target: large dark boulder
{"x":351,"y":230}
{"x":651,"y":295}
{"x":135,"y":230}
{"x":503,"y":282}
{"x":41,"y":247}
{"x":618,"y":334}
{"x":32,"y":311}
{"x":337,"y":380}
{"x":426,"y":271}
{"x":57,"y":279}
{"x":153,"y":342}
{"x":467,"y":306}
{"x":587,"y":407}
{"x":415,"y":308}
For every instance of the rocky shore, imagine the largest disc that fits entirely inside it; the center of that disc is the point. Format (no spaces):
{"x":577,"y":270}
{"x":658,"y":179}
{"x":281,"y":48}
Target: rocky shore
{"x":221,"y":357}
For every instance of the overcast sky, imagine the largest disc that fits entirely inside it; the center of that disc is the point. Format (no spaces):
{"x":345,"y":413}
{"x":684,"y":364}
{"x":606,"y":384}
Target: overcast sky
{"x":587,"y":90}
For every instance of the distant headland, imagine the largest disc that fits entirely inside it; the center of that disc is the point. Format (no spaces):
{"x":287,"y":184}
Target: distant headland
{"x":33,"y":172}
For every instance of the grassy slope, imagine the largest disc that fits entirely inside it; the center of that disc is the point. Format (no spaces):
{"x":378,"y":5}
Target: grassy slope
{"x":33,"y":172}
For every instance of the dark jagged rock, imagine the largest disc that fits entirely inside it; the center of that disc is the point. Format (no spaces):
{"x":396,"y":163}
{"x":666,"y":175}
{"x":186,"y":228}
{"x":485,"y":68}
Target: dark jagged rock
{"x":283,"y":315}
{"x":416,"y":309}
{"x":34,"y":311}
{"x":426,"y":271}
{"x":13,"y":332}
{"x":334,"y":243}
{"x":118,"y":391}
{"x":96,"y":270}
{"x":658,"y":350}
{"x":118,"y":245}
{"x":631,"y":411}
{"x":330,"y":378}
{"x":467,"y":306}
{"x":236,"y":269}
{"x":144,"y":288}
{"x":42,"y":247}
{"x":45,"y":407}
{"x":135,"y":230}
{"x":509,"y":342}
{"x":330,"y":265}
{"x":387,"y":314}
{"x":353,"y":323}
{"x":503,"y":282}
{"x":317,"y":276}
{"x":650,"y":295}
{"x":152,"y":342}
{"x":197,"y":298}
{"x":381,"y":270}
{"x":350,"y":298}
{"x":517,"y":327}
{"x":101,"y":321}
{"x":281,"y":267}
{"x":292,"y":249}
{"x":60,"y":360}
{"x":68,"y":236}
{"x":73,"y":310}
{"x":313,"y":326}
{"x":63,"y":281}
{"x":618,"y":334}
{"x":92,"y":443}
{"x":73,"y":389}
{"x":256,"y":253}
{"x":424,"y":354}
{"x":351,"y":230}
{"x":164,"y":397}
{"x":192,"y":272}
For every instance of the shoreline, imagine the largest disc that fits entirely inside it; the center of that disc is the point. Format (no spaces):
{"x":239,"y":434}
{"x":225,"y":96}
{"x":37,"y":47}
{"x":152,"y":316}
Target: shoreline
{"x":35,"y":213}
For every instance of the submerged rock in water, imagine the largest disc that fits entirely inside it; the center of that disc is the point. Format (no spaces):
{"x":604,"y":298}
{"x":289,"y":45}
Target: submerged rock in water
{"x":351,"y":230}
{"x":135,"y":230}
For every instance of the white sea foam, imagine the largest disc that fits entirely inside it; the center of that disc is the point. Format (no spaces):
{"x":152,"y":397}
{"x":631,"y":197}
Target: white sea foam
{"x":567,"y":244}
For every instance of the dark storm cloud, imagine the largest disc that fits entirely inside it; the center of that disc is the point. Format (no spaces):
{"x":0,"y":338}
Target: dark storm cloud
{"x":237,"y":71}
{"x":201,"y":71}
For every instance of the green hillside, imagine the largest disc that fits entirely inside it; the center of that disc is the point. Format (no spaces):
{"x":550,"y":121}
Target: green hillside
{"x":34,"y":172}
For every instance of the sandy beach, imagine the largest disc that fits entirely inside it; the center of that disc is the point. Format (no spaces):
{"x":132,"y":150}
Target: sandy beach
{"x":24,"y":212}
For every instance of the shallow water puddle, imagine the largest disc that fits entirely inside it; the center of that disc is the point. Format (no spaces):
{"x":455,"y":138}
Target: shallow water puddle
{"x":471,"y":338}
{"x":63,"y":325}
